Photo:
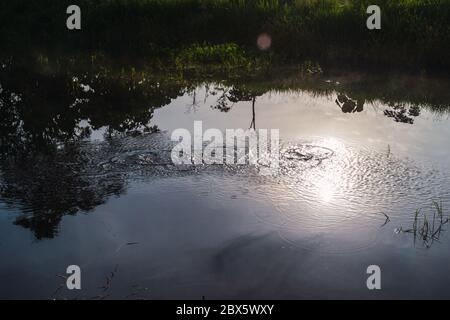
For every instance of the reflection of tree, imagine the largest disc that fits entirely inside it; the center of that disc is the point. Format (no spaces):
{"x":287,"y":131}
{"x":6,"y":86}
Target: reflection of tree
{"x":44,"y":170}
{"x":122,"y":108}
{"x":349,"y":105}
{"x":47,"y":187}
{"x":229,"y":96}
{"x":193,"y":107}
{"x":253,"y":123}
{"x":39,"y":111}
{"x":32,"y":112}
{"x":401,"y":113}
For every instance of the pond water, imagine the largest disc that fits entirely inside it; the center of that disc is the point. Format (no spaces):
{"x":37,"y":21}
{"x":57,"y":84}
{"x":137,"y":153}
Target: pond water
{"x":86,"y":179}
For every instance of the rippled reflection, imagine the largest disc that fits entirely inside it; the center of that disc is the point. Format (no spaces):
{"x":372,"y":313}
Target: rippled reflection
{"x":85,"y":161}
{"x":52,"y":167}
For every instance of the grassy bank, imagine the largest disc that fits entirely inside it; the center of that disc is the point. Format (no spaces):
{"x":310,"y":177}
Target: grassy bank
{"x":415,"y":33}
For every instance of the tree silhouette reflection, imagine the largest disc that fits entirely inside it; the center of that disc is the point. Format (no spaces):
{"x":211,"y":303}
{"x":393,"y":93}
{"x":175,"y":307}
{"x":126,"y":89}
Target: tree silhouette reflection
{"x":47,"y":168}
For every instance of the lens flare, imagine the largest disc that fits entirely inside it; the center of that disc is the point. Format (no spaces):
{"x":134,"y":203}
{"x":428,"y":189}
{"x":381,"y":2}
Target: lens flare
{"x":264,"y":42}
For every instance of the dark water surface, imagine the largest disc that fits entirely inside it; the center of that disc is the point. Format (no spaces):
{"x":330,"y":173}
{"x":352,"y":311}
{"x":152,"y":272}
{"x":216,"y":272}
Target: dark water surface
{"x":86,"y":179}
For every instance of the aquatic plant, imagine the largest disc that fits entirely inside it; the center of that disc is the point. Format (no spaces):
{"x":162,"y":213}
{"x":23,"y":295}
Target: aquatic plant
{"x":428,"y":231}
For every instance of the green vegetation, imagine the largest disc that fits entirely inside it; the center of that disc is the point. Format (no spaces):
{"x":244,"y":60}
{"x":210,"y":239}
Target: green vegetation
{"x":428,"y":230}
{"x":415,"y":33}
{"x":226,"y":57}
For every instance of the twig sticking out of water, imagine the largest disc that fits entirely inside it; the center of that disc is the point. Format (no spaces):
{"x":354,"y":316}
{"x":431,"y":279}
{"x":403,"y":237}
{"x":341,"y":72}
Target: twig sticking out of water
{"x":126,"y":244}
{"x":387,"y":219}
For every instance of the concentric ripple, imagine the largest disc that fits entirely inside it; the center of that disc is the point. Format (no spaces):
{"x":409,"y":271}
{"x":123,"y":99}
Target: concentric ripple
{"x":334,"y":195}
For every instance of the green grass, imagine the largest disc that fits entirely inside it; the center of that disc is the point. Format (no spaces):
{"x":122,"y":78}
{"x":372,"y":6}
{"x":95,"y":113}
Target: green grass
{"x":225,"y":56}
{"x":415,"y":33}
